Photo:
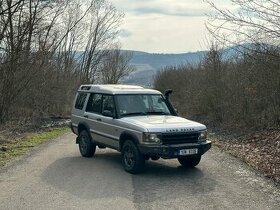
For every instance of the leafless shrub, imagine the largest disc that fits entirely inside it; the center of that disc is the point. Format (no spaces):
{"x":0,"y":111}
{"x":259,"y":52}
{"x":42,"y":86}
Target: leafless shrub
{"x":233,"y":93}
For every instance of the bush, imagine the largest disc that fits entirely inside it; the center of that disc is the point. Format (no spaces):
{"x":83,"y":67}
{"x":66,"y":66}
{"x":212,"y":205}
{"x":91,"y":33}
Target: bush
{"x":236,"y":92}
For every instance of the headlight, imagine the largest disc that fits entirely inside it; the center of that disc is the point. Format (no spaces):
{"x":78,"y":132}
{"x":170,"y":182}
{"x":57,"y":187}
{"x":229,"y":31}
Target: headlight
{"x":203,"y":135}
{"x":153,"y":138}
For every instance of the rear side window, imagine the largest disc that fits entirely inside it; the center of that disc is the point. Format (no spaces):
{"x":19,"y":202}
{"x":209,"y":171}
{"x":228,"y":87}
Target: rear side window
{"x":81,"y":98}
{"x":94,"y":103}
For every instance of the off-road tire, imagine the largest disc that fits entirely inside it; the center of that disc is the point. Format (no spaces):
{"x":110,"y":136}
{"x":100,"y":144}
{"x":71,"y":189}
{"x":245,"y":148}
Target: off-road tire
{"x":133,"y":161}
{"x":86,"y":146}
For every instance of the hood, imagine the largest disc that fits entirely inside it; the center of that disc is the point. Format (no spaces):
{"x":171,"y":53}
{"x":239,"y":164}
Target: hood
{"x":165,"y":123}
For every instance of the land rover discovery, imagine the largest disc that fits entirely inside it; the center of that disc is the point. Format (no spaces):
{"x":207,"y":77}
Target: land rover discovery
{"x":138,"y":122}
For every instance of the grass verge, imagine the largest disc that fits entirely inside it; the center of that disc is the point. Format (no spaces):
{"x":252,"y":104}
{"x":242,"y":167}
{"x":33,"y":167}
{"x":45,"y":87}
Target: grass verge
{"x":11,"y":150}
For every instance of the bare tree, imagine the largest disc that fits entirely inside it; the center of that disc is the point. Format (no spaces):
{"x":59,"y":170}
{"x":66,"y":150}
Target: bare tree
{"x":228,"y":93}
{"x":10,"y":5}
{"x":255,"y":27}
{"x":254,"y":21}
{"x":21,"y":43}
{"x":104,"y":21}
{"x":39,"y":40}
{"x":115,"y":66}
{"x":19,"y":26}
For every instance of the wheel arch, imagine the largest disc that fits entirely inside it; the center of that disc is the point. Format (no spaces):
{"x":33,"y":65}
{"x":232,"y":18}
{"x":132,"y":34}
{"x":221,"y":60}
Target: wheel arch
{"x":83,"y":126}
{"x":125,"y":136}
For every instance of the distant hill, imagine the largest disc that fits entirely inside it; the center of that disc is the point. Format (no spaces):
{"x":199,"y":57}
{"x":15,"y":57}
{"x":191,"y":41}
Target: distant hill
{"x":161,"y":60}
{"x":147,"y":64}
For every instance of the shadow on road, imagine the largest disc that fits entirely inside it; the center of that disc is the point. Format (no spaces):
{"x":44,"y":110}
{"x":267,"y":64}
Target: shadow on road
{"x":166,"y":180}
{"x":103,"y":177}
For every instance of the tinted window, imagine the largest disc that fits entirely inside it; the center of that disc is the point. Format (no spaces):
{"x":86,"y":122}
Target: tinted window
{"x":81,"y":98}
{"x":94,"y":103}
{"x":108,"y":104}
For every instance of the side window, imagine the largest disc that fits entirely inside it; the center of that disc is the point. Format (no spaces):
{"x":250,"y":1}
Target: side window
{"x":81,"y":98}
{"x":108,"y":104}
{"x":94,"y":103}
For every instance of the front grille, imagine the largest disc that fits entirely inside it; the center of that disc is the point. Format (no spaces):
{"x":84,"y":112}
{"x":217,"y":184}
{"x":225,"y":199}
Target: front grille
{"x":179,"y":138}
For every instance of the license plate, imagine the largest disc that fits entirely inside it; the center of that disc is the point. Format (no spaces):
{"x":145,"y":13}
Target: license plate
{"x":188,"y":151}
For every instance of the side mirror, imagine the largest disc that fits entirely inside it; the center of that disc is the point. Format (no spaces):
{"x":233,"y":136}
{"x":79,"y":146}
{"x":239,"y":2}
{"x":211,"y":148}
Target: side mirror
{"x":108,"y":113}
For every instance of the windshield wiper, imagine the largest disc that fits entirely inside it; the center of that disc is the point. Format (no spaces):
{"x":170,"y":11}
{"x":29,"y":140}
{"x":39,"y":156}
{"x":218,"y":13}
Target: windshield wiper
{"x":133,"y":113}
{"x":158,"y":112}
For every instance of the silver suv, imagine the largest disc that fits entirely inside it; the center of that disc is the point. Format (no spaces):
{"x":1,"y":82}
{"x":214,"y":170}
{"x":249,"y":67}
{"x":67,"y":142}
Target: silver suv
{"x":140,"y":123}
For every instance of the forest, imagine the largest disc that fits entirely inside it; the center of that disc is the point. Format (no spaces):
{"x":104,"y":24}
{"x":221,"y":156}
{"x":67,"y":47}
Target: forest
{"x":48,"y":48}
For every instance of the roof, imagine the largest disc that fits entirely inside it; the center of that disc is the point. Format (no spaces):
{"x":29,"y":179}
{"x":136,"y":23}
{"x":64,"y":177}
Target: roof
{"x":117,"y":89}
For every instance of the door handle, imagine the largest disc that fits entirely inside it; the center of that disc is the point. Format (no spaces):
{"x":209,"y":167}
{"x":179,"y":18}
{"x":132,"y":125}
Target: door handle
{"x":86,"y":116}
{"x":98,"y":119}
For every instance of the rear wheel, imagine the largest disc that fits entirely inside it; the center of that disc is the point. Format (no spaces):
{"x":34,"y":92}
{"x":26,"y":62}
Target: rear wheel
{"x":86,"y":146}
{"x":133,"y":161}
{"x":189,"y":162}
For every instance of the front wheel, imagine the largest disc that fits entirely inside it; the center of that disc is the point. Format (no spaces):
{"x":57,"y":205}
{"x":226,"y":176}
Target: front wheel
{"x":86,"y":146}
{"x":189,"y":162}
{"x":133,"y":161}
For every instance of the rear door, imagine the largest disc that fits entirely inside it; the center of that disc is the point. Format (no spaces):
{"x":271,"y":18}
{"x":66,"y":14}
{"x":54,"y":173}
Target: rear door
{"x":78,"y":110}
{"x":93,"y":114}
{"x":101,"y":127}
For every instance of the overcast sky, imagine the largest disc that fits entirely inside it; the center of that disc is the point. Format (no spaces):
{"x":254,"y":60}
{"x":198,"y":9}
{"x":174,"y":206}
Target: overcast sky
{"x":164,"y":26}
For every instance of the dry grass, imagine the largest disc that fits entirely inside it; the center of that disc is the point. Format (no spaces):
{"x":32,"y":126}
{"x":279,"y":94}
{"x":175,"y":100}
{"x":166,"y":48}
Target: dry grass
{"x":18,"y":144}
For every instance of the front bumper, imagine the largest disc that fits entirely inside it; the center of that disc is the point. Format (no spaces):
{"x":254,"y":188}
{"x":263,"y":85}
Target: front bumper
{"x":172,"y":151}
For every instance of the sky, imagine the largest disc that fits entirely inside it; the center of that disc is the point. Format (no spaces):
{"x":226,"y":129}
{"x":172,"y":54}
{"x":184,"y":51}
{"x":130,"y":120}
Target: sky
{"x":165,"y":26}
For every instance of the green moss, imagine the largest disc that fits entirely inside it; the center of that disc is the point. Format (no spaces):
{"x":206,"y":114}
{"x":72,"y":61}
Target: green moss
{"x":21,"y":147}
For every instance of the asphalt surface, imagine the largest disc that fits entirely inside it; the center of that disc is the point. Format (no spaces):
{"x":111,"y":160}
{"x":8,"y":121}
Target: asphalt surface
{"x":55,"y":176}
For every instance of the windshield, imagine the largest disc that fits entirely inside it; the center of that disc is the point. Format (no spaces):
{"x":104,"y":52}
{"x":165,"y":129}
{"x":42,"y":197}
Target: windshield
{"x":141,"y":104}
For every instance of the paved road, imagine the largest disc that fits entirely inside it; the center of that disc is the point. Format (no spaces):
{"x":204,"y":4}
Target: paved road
{"x":55,"y":176}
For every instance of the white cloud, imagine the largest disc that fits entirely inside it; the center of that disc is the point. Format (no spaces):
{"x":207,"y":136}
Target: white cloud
{"x":165,"y":7}
{"x":163,"y":25}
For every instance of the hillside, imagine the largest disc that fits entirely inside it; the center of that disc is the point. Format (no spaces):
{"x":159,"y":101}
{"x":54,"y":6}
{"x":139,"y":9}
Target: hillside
{"x":147,"y":64}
